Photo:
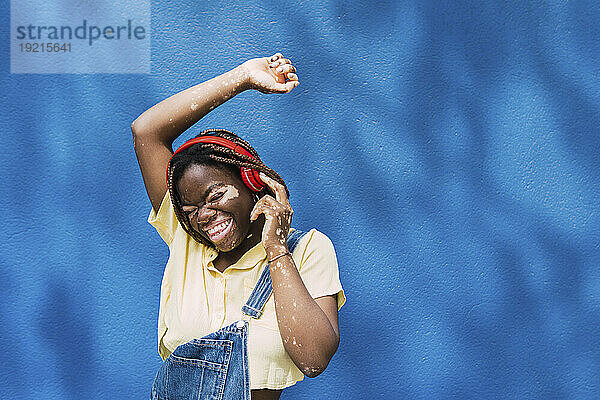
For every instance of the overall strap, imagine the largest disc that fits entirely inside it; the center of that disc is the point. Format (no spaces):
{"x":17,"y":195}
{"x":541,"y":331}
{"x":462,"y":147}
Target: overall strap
{"x":262,"y":291}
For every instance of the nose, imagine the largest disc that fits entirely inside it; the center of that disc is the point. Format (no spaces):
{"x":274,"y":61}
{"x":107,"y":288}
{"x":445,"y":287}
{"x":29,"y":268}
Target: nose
{"x":205,"y":214}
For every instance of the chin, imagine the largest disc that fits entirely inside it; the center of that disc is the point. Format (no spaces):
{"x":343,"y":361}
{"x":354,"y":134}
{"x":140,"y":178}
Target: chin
{"x":229,"y":245}
{"x":224,"y":248}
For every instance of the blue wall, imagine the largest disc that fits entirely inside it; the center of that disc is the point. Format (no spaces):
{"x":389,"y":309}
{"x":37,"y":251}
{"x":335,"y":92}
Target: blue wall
{"x":448,"y":148}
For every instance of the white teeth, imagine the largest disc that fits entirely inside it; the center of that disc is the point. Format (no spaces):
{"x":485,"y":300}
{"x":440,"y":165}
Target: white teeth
{"x":218,"y":228}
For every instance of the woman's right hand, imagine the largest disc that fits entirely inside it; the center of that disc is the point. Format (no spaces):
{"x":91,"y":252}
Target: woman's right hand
{"x":274,"y":74}
{"x":155,"y":130}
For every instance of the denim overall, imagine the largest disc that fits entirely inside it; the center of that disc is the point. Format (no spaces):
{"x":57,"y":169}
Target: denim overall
{"x":215,"y":366}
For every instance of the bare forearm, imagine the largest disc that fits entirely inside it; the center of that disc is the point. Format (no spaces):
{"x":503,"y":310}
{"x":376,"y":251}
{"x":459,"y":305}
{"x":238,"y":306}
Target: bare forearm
{"x":171,"y":117}
{"x":307,"y":333}
{"x":307,"y":330}
{"x":155,"y":130}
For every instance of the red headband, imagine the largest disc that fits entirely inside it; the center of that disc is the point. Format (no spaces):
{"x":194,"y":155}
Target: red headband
{"x":250,"y":176}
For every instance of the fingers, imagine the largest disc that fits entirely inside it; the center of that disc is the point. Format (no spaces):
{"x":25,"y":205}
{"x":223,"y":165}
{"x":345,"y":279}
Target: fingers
{"x":263,"y":206}
{"x":280,"y":61}
{"x":286,"y":69}
{"x":279,"y":203}
{"x":283,"y":66}
{"x":273,"y":210}
{"x":277,"y":188}
{"x":256,"y":210}
{"x":276,"y":56}
{"x":289,"y":85}
{"x":282,"y":87}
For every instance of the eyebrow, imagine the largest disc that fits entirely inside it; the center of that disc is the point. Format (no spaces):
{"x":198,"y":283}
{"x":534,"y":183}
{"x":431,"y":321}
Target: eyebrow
{"x":212,"y":187}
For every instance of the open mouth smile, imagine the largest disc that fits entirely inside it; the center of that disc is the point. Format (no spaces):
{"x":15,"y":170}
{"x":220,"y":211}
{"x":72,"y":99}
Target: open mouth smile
{"x":220,"y":230}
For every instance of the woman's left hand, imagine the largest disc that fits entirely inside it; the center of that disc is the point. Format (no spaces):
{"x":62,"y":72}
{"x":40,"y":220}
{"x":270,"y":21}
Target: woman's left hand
{"x":278,"y":217}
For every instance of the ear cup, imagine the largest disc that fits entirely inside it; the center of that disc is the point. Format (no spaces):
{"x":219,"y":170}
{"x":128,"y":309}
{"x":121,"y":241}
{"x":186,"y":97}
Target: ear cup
{"x":252,"y":179}
{"x":250,"y":176}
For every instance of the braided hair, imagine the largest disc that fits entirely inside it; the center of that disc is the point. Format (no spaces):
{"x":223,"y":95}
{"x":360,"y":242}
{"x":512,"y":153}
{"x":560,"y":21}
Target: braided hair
{"x":213,"y":155}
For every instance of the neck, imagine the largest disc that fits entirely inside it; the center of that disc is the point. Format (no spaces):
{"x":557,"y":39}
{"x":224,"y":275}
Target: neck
{"x":225,"y":259}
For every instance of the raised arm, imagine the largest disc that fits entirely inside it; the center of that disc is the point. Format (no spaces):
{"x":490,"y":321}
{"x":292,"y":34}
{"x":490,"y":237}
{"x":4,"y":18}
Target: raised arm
{"x":155,"y":130}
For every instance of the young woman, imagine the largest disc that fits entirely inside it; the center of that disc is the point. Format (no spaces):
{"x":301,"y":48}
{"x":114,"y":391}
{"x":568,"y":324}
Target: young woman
{"x":226,"y":218}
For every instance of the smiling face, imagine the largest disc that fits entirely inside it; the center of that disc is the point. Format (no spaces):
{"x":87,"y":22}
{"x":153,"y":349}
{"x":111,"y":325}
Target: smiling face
{"x":217,"y":204}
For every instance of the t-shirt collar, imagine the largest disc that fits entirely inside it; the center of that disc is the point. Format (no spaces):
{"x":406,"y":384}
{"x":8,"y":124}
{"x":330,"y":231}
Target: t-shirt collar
{"x":249,"y":260}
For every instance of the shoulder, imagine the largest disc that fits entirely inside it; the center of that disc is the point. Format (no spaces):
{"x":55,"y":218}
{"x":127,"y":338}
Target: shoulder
{"x":316,"y":238}
{"x":317,"y":264}
{"x":315,"y":246}
{"x":164,"y":220}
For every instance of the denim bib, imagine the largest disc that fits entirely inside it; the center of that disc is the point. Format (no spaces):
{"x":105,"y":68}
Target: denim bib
{"x":215,"y":366}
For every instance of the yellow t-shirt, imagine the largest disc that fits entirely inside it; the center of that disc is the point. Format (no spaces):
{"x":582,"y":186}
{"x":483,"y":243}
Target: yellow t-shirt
{"x":196,"y":299}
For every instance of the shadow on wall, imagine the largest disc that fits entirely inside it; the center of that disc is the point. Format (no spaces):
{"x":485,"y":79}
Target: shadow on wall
{"x":66,"y":333}
{"x":464,"y":147}
{"x":506,"y":257}
{"x":12,"y":339}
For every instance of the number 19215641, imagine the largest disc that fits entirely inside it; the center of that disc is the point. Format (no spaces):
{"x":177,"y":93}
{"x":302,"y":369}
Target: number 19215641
{"x":45,"y":47}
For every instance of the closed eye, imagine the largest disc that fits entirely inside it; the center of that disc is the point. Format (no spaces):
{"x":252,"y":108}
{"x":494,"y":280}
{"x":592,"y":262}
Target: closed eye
{"x":215,"y":197}
{"x":188,"y":211}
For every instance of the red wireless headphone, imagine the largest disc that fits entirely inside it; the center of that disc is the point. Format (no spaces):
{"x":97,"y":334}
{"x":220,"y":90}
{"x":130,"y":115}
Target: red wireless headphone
{"x":249,"y":176}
